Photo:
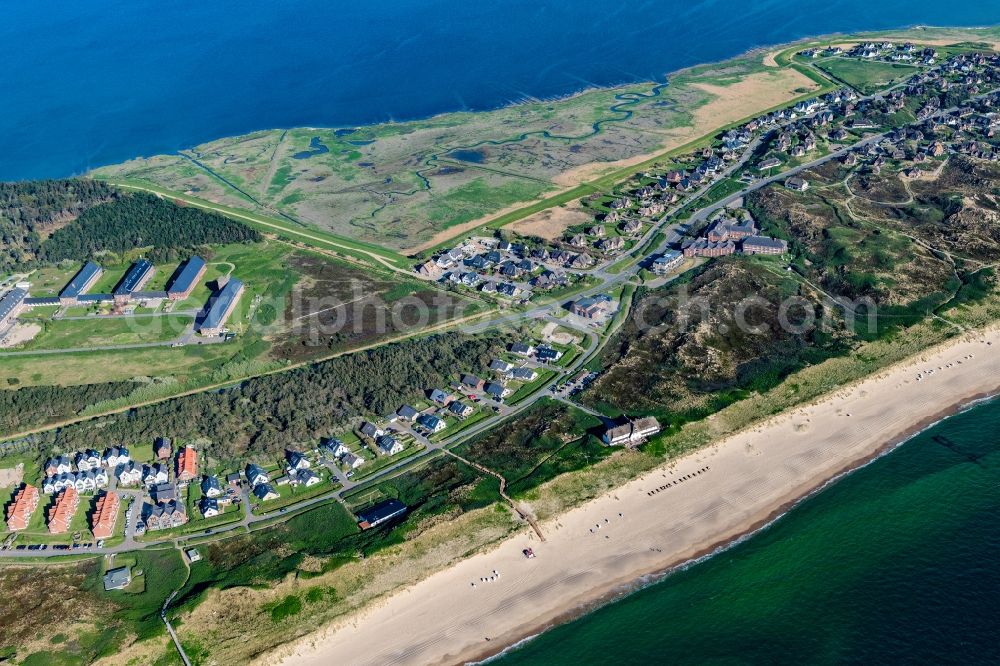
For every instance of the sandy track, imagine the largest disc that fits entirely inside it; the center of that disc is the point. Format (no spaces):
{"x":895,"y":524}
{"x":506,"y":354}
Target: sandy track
{"x":745,"y":481}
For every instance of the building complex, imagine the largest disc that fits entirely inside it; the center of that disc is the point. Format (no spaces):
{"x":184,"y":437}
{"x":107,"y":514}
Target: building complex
{"x":186,"y":279}
{"x":102,"y":521}
{"x":135,"y":279}
{"x":220,"y":307}
{"x":11,"y":305}
{"x":21,"y":507}
{"x":81,"y":282}
{"x":61,"y":513}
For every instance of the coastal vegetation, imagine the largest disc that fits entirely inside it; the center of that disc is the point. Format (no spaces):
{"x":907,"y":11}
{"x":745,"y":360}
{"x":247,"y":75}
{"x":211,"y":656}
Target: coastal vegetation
{"x":689,"y":349}
{"x":413,"y":185}
{"x":549,"y":439}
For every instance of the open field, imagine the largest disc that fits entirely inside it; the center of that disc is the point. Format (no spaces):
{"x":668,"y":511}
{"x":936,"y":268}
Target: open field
{"x":866,"y":77}
{"x":106,"y":332}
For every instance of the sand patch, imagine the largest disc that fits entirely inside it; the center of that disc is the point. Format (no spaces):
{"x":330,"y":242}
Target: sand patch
{"x":551,"y":334}
{"x":769,"y":60}
{"x":20,"y":334}
{"x":11,"y":476}
{"x":552,"y":222}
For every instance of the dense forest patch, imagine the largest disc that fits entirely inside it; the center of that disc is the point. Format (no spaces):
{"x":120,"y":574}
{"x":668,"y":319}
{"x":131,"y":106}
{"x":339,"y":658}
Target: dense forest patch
{"x":51,"y":220}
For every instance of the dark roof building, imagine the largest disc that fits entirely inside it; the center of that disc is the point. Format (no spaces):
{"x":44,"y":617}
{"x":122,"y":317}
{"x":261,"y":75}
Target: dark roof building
{"x":220,"y":306}
{"x":380,"y":513}
{"x":186,"y":279}
{"x":407,"y":413}
{"x":764,"y":245}
{"x":117,"y":579}
{"x":472,"y":381}
{"x":165,"y":492}
{"x":81,"y":282}
{"x":264,"y":492}
{"x":148,"y":295}
{"x":11,"y":305}
{"x":162,"y":448}
{"x":32,"y":301}
{"x":136,"y":277}
{"x":548,"y":354}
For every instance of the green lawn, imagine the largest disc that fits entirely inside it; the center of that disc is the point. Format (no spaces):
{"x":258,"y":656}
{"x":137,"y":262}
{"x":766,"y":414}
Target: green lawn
{"x":867,"y":77}
{"x":99,"y":332}
{"x":49,"y":280}
{"x":529,"y":389}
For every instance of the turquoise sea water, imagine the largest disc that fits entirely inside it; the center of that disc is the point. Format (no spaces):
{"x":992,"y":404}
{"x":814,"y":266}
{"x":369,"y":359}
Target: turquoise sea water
{"x":897,"y":563}
{"x":87,"y":82}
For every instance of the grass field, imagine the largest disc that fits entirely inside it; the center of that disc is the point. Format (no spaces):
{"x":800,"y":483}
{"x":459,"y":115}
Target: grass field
{"x":107,"y":332}
{"x":866,"y":77}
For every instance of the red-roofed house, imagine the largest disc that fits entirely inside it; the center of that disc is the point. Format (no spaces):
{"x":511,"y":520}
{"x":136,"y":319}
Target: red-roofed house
{"x":20,"y":510}
{"x":61,"y":513}
{"x":187,"y":464}
{"x":105,"y":515}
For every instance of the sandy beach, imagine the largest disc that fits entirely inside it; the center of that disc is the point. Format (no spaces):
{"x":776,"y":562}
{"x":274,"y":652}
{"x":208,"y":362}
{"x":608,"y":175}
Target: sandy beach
{"x":671,"y":515}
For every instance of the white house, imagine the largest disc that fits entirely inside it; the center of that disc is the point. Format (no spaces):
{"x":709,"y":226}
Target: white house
{"x":265,"y":492}
{"x":87,"y":460}
{"x":460,"y":409}
{"x":256,"y":475}
{"x":296,"y":460}
{"x":100,"y":477}
{"x":389,"y":445}
{"x":632,"y":433}
{"x":524,"y":374}
{"x":351,"y":460}
{"x":209,"y":507}
{"x":307,"y":478}
{"x":59,"y":465}
{"x":58,"y":482}
{"x":154,"y":474}
{"x":116,"y":455}
{"x":210,"y":487}
{"x":431,"y":422}
{"x":334,"y":447}
{"x":129,"y":474}
{"x":371,"y":430}
{"x":497,"y":390}
{"x":85,"y":482}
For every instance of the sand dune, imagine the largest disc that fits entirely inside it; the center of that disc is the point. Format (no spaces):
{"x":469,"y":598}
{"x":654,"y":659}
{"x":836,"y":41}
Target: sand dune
{"x":667,"y":517}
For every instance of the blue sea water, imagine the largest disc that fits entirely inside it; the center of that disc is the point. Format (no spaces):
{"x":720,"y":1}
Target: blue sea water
{"x":87,"y":83}
{"x":896,"y":563}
